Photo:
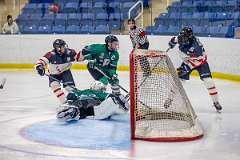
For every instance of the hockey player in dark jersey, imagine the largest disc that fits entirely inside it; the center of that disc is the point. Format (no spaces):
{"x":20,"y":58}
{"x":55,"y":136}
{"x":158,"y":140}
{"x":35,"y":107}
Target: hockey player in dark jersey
{"x":92,"y":103}
{"x":139,"y":41}
{"x":194,"y":58}
{"x":105,"y":58}
{"x":58,"y":62}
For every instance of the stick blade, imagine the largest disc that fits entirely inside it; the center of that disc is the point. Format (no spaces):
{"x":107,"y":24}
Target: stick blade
{"x":3,"y":81}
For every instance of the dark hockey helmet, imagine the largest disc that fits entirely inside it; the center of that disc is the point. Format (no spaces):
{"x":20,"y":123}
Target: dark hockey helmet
{"x":112,"y":42}
{"x":58,"y":43}
{"x":185,"y":36}
{"x":111,"y":38}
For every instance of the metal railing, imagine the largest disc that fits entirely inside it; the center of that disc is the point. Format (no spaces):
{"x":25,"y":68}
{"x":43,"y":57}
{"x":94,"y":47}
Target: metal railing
{"x":140,"y":14}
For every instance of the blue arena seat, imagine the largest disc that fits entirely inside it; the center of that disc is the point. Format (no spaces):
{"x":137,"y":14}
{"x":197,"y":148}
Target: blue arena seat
{"x":105,"y":1}
{"x":100,"y":5}
{"x":23,"y":19}
{"x":58,"y":29}
{"x":102,"y":16}
{"x":30,"y":8}
{"x":186,"y":15}
{"x":48,"y":19}
{"x":161,"y":30}
{"x":73,"y":29}
{"x":74,"y":19}
{"x":32,"y":29}
{"x":115,"y":24}
{"x":88,"y":16}
{"x":149,"y":30}
{"x":86,"y":7}
{"x":61,"y":17}
{"x":87,"y":29}
{"x":187,"y":3}
{"x":173,"y":30}
{"x":44,"y":29}
{"x":73,"y":1}
{"x":115,"y":16}
{"x":114,"y":4}
{"x":102,"y":29}
{"x":70,"y":7}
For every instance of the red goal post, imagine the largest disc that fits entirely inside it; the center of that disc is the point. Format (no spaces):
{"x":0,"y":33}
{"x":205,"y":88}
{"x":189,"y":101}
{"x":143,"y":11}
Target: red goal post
{"x":160,"y":109}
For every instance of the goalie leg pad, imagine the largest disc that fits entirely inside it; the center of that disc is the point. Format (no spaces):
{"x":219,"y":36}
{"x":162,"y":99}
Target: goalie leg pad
{"x":121,"y":101}
{"x":107,"y":108}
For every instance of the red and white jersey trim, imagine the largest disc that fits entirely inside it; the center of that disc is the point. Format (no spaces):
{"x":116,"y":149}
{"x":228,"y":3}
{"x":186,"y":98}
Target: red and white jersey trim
{"x":193,"y":62}
{"x":58,"y":68}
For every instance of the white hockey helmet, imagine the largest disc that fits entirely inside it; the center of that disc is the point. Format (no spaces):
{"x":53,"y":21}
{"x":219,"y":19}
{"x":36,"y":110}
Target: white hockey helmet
{"x":97,"y":85}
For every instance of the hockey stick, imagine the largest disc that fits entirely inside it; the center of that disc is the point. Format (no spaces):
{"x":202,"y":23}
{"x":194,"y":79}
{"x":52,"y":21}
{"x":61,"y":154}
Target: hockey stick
{"x":3,"y":81}
{"x":100,"y":71}
{"x":74,"y":88}
{"x":128,"y":94}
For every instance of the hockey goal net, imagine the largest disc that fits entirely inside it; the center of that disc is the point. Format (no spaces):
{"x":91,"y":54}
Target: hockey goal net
{"x":160,"y":108}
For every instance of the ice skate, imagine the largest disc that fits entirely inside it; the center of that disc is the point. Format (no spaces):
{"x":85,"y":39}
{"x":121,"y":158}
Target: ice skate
{"x":217,"y":106}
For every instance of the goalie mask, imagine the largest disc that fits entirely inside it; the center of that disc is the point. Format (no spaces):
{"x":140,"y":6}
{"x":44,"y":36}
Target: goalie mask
{"x":97,"y":85}
{"x":185,"y":36}
{"x":59,"y":46}
{"x":112,"y":43}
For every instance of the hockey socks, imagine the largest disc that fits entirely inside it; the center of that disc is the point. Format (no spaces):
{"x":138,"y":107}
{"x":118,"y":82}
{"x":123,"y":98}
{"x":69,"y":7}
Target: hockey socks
{"x":56,"y":88}
{"x":212,"y":90}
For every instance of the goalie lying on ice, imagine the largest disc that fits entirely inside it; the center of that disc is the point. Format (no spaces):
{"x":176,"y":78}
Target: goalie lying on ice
{"x":92,"y":103}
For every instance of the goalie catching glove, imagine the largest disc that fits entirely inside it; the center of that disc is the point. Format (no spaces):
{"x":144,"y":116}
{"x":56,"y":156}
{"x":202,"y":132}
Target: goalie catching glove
{"x":68,"y":112}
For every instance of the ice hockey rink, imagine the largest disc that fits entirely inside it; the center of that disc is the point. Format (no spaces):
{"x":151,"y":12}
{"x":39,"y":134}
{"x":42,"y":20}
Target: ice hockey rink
{"x":30,"y":131}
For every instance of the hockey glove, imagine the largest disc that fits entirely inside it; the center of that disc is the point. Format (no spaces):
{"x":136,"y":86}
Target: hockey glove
{"x":41,"y":70}
{"x":172,"y":42}
{"x":114,"y":79}
{"x":91,"y":64}
{"x":121,"y":101}
{"x":183,"y":70}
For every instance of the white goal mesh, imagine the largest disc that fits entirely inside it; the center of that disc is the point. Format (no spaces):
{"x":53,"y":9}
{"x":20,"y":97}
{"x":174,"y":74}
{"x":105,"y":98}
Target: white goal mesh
{"x":160,"y":109}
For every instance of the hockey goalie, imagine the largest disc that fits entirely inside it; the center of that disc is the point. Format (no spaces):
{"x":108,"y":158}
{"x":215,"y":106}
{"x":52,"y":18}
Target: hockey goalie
{"x":93,"y":103}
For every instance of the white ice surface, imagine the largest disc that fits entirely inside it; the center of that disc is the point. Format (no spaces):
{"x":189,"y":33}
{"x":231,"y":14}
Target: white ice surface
{"x":26,"y":99}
